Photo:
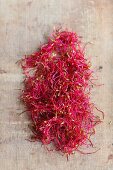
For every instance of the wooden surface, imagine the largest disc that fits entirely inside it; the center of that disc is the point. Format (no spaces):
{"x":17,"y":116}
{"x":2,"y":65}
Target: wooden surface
{"x":23,"y":26}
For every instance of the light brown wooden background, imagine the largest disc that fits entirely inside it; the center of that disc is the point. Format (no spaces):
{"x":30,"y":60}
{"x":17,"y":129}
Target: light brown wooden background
{"x":23,"y":25}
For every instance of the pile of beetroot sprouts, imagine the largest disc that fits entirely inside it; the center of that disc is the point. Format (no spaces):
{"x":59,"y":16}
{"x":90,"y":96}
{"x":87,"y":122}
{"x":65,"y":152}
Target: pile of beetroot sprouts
{"x":57,"y":88}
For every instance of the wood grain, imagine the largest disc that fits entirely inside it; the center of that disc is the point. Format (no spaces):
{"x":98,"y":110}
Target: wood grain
{"x":23,"y":26}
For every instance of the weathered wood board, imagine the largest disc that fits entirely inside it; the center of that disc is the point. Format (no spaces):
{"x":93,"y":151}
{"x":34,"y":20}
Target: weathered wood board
{"x":23,"y":26}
